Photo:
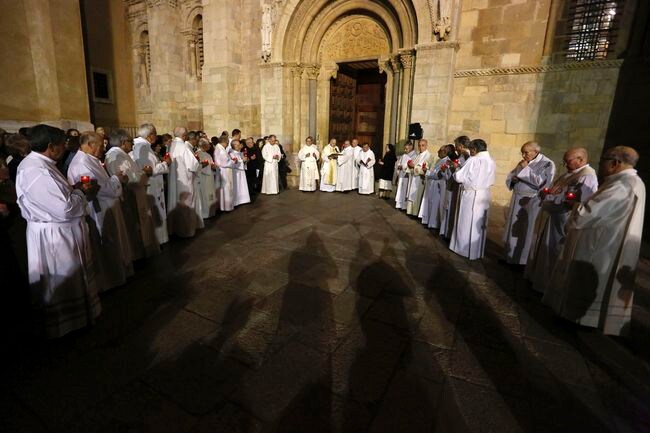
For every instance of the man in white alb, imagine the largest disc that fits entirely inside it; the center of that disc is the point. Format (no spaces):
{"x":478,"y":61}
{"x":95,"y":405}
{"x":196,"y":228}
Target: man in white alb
{"x":328,"y":170}
{"x":345,"y":171}
{"x":271,"y":154}
{"x":308,"y":156}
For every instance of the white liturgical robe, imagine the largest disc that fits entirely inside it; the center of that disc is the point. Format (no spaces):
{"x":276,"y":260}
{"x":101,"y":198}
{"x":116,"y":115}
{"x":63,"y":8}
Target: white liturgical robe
{"x":240,"y":184}
{"x":403,"y":179}
{"x":143,"y":155}
{"x":109,"y":236}
{"x":345,"y":170}
{"x":356,"y":168}
{"x":136,"y":207}
{"x":434,"y":188}
{"x":593,"y":281}
{"x":271,"y":178}
{"x":329,"y":168}
{"x":184,"y":213}
{"x":525,"y":205}
{"x":451,"y":197}
{"x":551,"y":224}
{"x":416,"y":182}
{"x":208,"y":189}
{"x":61,"y":272}
{"x":226,"y":175}
{"x":366,"y":162}
{"x":470,"y":229}
{"x":308,"y":157}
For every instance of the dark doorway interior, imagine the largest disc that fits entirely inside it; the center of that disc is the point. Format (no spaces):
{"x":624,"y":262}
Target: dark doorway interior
{"x":357,"y":104}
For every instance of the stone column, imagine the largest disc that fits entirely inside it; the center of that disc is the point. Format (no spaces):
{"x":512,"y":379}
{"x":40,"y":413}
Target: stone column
{"x":296,"y":74}
{"x":384,"y":68}
{"x":323,"y":102}
{"x":312,"y":76}
{"x":406,"y":59}
{"x":395,"y":99}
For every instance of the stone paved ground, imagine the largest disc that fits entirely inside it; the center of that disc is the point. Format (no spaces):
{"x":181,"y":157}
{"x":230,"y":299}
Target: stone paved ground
{"x":327,"y":313}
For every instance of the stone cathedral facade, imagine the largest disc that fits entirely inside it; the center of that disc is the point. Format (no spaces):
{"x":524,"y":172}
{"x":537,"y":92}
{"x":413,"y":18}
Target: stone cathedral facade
{"x":507,"y":71}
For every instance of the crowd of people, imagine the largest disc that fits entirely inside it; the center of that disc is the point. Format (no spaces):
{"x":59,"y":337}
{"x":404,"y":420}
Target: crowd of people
{"x":88,"y":205}
{"x":92,"y":203}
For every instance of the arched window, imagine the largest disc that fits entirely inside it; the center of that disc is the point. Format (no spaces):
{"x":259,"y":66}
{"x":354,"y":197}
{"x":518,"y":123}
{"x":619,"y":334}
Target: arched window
{"x":197,"y":26}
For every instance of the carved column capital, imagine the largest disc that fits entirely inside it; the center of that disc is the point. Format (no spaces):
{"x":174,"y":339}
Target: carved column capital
{"x":296,"y":70}
{"x":406,"y":59}
{"x":394,"y":64}
{"x":313,"y":71}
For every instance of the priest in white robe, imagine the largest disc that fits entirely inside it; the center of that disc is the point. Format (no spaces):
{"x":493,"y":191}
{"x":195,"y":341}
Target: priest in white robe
{"x":366,"y":163}
{"x":308,"y":156}
{"x":241,"y":193}
{"x":62,"y":282}
{"x":111,"y":244}
{"x":136,"y":206}
{"x":580,"y":180}
{"x":207,"y":186}
{"x":144,"y":156}
{"x":418,"y":168}
{"x":346,"y":170}
{"x":593,"y":281}
{"x":356,"y":168}
{"x":184,"y":214}
{"x":403,"y":175}
{"x":533,"y":173}
{"x":475,"y":179}
{"x":450,"y":203}
{"x":329,"y":168}
{"x":271,"y":180}
{"x":430,"y":207}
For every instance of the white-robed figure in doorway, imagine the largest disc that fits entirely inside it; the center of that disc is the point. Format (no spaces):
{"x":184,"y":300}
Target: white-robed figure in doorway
{"x":241,"y":194}
{"x":434,"y":187}
{"x":136,"y":206}
{"x":366,"y":162}
{"x":111,"y":244}
{"x":593,"y":281}
{"x":356,"y":168}
{"x":272,"y":155}
{"x":208,"y":188}
{"x":62,"y":282}
{"x":580,"y":180}
{"x":144,"y":156}
{"x":308,"y":156}
{"x":345,"y":168}
{"x":329,"y":168}
{"x":418,"y":168}
{"x":184,"y":213}
{"x":403,"y":175}
{"x":533,"y":173}
{"x":475,"y":179}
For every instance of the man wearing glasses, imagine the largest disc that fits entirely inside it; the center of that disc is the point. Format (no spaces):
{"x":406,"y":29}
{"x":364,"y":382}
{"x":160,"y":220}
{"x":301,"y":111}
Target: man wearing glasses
{"x":575,"y":186}
{"x":593,"y":281}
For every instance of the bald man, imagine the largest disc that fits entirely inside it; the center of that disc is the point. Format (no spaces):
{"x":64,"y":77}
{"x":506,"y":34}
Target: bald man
{"x":531,"y":175}
{"x":593,"y":281}
{"x":580,"y":179}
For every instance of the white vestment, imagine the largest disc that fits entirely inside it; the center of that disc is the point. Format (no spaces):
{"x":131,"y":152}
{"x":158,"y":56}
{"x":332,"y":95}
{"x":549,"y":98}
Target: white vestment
{"x":433,"y":192}
{"x":366,"y":161}
{"x":328,"y":169}
{"x":184,"y":214}
{"x":525,"y":205}
{"x":143,"y":155}
{"x":135,"y":206}
{"x":308,"y":167}
{"x":345,"y":171}
{"x":416,"y":182}
{"x":451,"y":197}
{"x":208,"y":189}
{"x":271,"y":179}
{"x":403,"y":179}
{"x":109,"y":235}
{"x":60,"y":263}
{"x":240,"y":184}
{"x":470,"y":230}
{"x":593,"y":281}
{"x":356,"y":169}
{"x":551,"y":224}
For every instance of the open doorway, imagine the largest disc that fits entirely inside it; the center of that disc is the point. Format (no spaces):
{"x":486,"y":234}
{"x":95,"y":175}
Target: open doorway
{"x":357,"y":104}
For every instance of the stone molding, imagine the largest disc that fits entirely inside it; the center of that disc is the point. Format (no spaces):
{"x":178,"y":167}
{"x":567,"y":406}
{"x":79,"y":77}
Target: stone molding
{"x":438,"y":46}
{"x":156,"y":3}
{"x":519,"y":70}
{"x":139,"y":15}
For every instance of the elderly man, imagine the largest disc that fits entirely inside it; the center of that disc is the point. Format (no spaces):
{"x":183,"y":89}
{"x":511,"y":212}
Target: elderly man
{"x":272,"y":154}
{"x":418,"y":168}
{"x":183,"y":203}
{"x":144,"y":156}
{"x":429,"y":209}
{"x":347,"y":170}
{"x":136,"y":206}
{"x":402,"y":169}
{"x":450,"y":203}
{"x":580,"y":180}
{"x":475,"y":179}
{"x":593,"y":281}
{"x":61,"y":275}
{"x":308,"y":157}
{"x":356,"y":151}
{"x":329,"y":169}
{"x":533,"y":173}
{"x":110,"y":236}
